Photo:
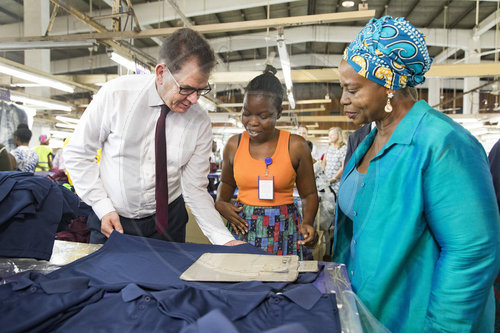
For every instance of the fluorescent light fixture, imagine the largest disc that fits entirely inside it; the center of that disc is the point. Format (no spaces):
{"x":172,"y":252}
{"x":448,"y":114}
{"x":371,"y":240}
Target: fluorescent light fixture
{"x":304,"y":101}
{"x":19,"y":73}
{"x":129,"y":64}
{"x":347,"y":4}
{"x":67,"y":119}
{"x":286,"y":68}
{"x":40,"y":104}
{"x":291,"y":100}
{"x":63,"y":125}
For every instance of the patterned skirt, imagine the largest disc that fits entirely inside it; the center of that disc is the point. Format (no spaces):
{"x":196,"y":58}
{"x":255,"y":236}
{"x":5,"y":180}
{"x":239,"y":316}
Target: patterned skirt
{"x":273,"y":229}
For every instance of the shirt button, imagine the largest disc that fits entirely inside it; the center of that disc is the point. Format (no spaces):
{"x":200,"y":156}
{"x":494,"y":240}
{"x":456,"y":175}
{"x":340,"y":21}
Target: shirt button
{"x":362,"y":184}
{"x":352,"y":272}
{"x":32,"y":288}
{"x":147,"y":298}
{"x":355,"y":214}
{"x":276,"y":300}
{"x":354,"y":242}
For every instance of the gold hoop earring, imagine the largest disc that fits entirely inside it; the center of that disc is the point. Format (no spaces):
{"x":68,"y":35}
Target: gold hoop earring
{"x":388,"y":106}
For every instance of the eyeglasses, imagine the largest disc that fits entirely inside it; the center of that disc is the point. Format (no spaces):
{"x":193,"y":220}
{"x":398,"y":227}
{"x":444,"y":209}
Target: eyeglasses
{"x":186,"y":91}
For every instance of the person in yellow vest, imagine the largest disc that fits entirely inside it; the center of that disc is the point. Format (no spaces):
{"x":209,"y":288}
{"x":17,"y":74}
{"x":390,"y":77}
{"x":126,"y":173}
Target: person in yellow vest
{"x":44,"y":154}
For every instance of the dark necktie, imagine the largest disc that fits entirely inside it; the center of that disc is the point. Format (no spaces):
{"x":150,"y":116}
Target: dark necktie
{"x":161,"y":192}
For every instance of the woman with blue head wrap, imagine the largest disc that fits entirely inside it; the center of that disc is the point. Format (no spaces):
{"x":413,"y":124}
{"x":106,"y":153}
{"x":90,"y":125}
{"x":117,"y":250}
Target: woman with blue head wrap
{"x":417,"y":222}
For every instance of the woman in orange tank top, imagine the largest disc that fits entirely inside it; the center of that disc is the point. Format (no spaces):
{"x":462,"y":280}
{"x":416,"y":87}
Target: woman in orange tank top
{"x":268,"y":219}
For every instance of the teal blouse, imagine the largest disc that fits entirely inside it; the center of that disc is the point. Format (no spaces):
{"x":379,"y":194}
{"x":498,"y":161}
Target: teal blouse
{"x":423,"y":248}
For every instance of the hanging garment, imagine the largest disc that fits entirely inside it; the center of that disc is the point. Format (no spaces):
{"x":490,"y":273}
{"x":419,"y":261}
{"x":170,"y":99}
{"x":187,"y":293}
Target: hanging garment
{"x":11,"y":116}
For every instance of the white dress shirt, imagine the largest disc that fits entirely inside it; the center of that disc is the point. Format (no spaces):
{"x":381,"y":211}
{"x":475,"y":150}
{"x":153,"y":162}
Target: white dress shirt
{"x":121,"y":119}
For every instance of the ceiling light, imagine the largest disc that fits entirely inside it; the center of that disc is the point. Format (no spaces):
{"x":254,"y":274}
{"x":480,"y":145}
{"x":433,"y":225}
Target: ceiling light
{"x":347,"y":4}
{"x":39,"y":103}
{"x":25,"y":75}
{"x":132,"y":66}
{"x":69,"y":126}
{"x":286,"y":68}
{"x":291,"y":100}
{"x":68,"y":119}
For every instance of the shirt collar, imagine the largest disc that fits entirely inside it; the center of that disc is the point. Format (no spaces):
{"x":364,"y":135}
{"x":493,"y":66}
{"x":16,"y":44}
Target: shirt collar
{"x":405,"y":131}
{"x":153,"y":96}
{"x":403,"y":134}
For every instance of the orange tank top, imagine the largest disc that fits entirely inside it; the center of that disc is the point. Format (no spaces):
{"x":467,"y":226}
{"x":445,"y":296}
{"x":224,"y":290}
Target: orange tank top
{"x":247,"y":170}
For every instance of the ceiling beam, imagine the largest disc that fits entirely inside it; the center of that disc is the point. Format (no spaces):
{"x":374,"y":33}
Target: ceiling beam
{"x":204,"y":29}
{"x":487,"y":23}
{"x":462,"y":16}
{"x":148,"y":13}
{"x":332,"y":74}
{"x":317,"y":75}
{"x":413,"y":6}
{"x":124,"y":48}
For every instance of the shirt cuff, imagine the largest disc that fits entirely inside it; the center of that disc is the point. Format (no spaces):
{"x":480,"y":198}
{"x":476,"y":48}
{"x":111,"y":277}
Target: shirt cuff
{"x":218,"y":238}
{"x":103,"y":207}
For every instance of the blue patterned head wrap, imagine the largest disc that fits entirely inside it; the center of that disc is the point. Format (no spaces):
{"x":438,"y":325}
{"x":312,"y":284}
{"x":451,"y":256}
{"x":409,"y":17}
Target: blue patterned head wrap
{"x":391,"y":52}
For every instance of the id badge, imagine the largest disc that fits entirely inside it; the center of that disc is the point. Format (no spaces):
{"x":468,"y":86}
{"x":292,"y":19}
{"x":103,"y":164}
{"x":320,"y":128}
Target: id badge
{"x":266,"y":187}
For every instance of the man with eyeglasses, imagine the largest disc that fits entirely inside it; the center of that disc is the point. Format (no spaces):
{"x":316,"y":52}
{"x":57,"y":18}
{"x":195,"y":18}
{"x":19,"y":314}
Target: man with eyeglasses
{"x":122,"y":120}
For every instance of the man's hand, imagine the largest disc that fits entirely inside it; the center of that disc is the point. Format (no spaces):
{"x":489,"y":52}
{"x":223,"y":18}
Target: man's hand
{"x":110,"y":222}
{"x":234,"y":242}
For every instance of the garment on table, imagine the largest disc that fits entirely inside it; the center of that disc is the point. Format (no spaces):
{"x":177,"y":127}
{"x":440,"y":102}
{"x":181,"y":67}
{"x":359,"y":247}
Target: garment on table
{"x":26,"y":158}
{"x":144,"y":293}
{"x":77,"y":231}
{"x":149,"y":263}
{"x":146,"y":227}
{"x":216,"y":322}
{"x":121,"y":119}
{"x":249,"y":310}
{"x":141,"y":279}
{"x":246,"y":171}
{"x":334,"y":158}
{"x":412,"y":245}
{"x":43,"y":152}
{"x":11,"y":115}
{"x":34,"y":303}
{"x":32,"y":208}
{"x":273,"y":229}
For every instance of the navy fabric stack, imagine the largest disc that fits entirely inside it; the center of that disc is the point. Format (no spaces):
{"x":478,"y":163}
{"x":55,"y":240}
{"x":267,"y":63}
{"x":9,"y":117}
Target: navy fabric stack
{"x":32,"y":207}
{"x":132,"y":285}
